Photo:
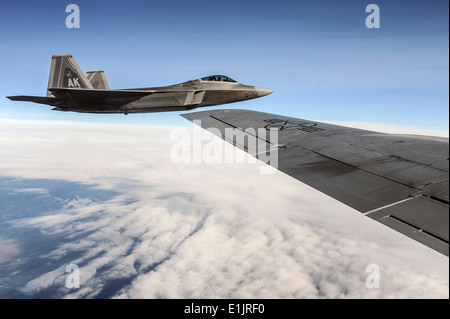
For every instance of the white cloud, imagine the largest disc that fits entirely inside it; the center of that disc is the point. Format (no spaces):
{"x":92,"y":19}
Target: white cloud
{"x":8,"y":250}
{"x":201,"y":230}
{"x":32,"y":190}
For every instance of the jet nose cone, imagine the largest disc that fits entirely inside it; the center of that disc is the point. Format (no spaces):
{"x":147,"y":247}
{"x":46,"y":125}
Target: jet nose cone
{"x":262,"y":91}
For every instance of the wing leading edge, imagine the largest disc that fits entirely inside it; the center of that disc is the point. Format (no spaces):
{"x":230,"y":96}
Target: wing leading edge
{"x":400,"y":181}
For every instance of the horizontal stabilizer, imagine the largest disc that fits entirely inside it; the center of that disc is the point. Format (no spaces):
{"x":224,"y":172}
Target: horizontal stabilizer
{"x":36,"y":99}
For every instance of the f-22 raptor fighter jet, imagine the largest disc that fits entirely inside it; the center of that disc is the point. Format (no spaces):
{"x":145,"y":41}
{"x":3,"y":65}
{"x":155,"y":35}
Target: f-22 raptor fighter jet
{"x":69,"y":89}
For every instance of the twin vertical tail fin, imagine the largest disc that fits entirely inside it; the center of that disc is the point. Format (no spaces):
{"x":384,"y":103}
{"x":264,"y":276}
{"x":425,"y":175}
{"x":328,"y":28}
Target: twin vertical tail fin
{"x":65,"y":73}
{"x":97,"y":79}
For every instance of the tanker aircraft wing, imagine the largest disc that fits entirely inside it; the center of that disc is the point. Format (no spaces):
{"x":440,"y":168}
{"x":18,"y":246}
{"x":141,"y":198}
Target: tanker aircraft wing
{"x":400,"y":181}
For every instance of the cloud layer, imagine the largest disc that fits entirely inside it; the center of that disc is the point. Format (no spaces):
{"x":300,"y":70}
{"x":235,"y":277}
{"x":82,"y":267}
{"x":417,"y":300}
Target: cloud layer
{"x":190,"y":230}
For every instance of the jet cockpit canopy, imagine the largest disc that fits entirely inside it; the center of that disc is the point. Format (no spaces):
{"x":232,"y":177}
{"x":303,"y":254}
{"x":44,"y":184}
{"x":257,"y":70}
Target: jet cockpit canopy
{"x":218,"y":78}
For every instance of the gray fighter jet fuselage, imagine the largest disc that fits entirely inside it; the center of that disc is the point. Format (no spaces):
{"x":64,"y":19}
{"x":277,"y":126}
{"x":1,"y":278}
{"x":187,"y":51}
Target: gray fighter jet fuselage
{"x":69,"y":89}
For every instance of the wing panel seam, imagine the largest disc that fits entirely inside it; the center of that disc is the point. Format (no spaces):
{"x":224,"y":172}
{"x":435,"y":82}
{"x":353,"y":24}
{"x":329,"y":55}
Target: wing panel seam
{"x":389,"y":205}
{"x":417,"y":228}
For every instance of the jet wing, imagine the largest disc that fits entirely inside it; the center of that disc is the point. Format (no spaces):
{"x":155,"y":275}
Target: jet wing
{"x":122,"y":97}
{"x":400,"y":181}
{"x":111,"y":97}
{"x":87,"y":96}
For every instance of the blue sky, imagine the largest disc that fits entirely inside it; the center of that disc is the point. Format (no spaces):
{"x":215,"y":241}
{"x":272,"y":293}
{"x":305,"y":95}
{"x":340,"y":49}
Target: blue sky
{"x":318,"y":56}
